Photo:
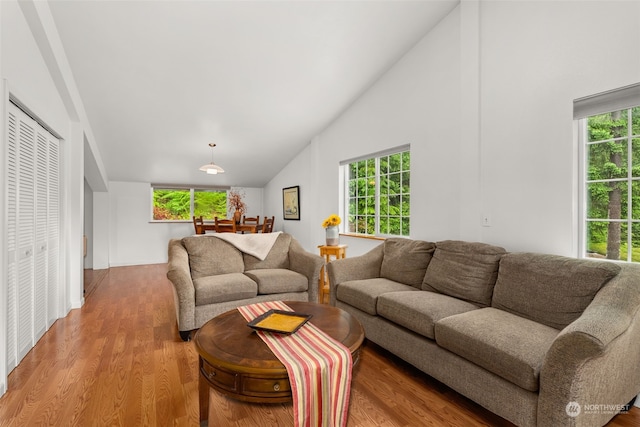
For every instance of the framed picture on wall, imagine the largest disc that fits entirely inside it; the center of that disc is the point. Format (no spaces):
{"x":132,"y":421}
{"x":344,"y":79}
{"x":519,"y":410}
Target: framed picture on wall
{"x":291,"y":202}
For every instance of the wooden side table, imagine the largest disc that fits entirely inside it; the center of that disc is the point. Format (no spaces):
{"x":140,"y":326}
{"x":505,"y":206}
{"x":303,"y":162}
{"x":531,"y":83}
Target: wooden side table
{"x":337,"y":252}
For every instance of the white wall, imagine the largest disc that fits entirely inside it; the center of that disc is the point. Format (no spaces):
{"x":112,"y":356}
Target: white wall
{"x":415,"y":103}
{"x":536,"y":58}
{"x":34,"y":69}
{"x":26,"y":70}
{"x":504,"y":146}
{"x":300,"y":173}
{"x":133,"y":238}
{"x":253,"y":200}
{"x":101,"y":230}
{"x":4,"y":97}
{"x":88,"y":225}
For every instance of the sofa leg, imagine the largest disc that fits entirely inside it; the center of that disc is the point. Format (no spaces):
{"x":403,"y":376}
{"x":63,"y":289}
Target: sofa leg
{"x":185,"y":335}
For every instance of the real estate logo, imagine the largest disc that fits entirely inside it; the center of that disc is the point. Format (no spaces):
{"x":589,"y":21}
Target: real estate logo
{"x":573,"y":409}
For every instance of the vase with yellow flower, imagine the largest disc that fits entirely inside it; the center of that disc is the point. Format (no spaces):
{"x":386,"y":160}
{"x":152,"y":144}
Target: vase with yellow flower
{"x":330,"y":225}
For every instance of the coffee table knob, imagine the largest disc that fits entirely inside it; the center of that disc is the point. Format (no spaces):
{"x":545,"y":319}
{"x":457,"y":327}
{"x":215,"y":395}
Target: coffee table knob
{"x":276,"y":387}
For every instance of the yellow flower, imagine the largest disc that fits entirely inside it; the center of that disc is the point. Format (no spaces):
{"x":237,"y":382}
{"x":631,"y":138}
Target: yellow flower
{"x":332,"y":221}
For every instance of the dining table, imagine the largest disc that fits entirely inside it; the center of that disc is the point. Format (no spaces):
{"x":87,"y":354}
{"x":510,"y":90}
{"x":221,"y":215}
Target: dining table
{"x":240,"y":228}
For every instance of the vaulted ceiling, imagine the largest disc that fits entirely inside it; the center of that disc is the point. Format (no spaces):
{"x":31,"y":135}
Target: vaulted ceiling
{"x":160,"y":80}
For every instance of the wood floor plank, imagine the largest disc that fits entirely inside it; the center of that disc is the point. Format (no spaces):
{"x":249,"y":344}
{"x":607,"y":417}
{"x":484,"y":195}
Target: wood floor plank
{"x":119,"y":361}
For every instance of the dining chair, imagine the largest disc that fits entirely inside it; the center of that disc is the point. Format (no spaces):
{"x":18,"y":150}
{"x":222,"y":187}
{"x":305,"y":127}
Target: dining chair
{"x":251,"y":220}
{"x":225,"y":225}
{"x":267,"y":227}
{"x":198,"y":224}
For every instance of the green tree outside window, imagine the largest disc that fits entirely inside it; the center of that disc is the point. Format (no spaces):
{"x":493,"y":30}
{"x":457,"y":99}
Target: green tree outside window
{"x":175,"y":204}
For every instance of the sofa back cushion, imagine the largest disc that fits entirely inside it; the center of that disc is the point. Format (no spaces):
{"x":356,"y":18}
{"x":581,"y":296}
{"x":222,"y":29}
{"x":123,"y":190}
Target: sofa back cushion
{"x":209,"y":256}
{"x":465,"y":270}
{"x":406,"y":260}
{"x":278,"y":256}
{"x":549,"y":289}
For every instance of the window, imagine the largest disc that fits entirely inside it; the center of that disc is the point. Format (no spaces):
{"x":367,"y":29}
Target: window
{"x":181,"y":204}
{"x":377,"y":191}
{"x":611,"y":175}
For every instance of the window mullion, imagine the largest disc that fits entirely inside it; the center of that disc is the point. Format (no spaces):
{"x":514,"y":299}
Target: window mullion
{"x":377,"y":196}
{"x":629,"y":186}
{"x":582,"y":194}
{"x":192,"y":205}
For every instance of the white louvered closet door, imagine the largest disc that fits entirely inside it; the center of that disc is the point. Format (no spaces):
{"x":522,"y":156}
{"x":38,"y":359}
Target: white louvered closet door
{"x":12,"y":212}
{"x":40,"y":222}
{"x":25,"y":235}
{"x":53,"y":233}
{"x":33,"y":233}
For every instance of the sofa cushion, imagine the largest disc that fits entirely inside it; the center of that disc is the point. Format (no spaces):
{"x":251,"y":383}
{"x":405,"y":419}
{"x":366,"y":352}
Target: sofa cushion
{"x":363,"y":294}
{"x":549,"y":289}
{"x":278,"y":256}
{"x":405,"y":260}
{"x":510,"y":346}
{"x":224,"y":287}
{"x":209,"y":256}
{"x":419,"y":311}
{"x":465,"y":270}
{"x":278,"y":280}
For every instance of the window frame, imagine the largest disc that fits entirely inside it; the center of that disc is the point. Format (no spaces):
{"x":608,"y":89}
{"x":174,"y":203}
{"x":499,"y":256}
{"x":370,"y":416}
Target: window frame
{"x":345,"y":194}
{"x":192,"y":190}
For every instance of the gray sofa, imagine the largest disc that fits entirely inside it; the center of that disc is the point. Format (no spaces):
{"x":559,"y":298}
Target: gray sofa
{"x":211,"y":276}
{"x":541,"y":340}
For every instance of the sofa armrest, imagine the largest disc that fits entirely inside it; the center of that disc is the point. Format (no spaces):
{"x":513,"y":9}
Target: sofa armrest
{"x":307,"y":264}
{"x":366,"y":266}
{"x":596,"y":359}
{"x":179,"y":274}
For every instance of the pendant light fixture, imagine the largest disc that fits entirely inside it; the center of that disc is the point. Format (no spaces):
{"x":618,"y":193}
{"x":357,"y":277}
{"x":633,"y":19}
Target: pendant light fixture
{"x":212,"y":168}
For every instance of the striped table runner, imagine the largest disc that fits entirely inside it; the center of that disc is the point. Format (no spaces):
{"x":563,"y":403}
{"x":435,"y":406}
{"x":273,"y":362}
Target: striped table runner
{"x":318,"y":366}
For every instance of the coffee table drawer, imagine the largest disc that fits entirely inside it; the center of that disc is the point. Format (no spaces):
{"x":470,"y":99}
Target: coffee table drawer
{"x":219,"y":377}
{"x":266,"y":386}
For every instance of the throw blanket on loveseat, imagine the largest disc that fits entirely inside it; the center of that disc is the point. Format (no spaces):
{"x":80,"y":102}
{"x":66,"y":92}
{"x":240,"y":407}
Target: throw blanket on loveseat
{"x":256,"y":244}
{"x":319,"y":369}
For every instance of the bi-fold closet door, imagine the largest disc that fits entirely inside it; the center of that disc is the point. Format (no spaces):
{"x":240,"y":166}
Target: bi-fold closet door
{"x":33,"y":233}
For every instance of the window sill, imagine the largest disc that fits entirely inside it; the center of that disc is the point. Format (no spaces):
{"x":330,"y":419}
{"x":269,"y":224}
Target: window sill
{"x":363,"y":236}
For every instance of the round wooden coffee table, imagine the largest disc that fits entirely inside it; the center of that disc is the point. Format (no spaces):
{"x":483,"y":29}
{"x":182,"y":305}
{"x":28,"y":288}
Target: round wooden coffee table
{"x":236,"y":362}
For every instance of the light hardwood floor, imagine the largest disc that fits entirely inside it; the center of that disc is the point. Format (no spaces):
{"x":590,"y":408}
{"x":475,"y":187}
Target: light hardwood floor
{"x":93,"y":278}
{"x":118,"y":361}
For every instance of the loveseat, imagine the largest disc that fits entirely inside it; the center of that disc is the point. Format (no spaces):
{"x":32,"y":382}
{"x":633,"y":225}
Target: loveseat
{"x":541,"y":340}
{"x":211,"y":275}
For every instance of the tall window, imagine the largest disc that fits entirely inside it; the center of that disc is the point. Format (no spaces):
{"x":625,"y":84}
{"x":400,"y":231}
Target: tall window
{"x":181,"y":204}
{"x":378,"y":193}
{"x":611,"y":176}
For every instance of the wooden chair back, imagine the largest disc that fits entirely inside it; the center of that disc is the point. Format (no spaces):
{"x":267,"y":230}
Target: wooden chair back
{"x":267,"y":227}
{"x":251,"y":220}
{"x":225,"y":225}
{"x":198,"y":223}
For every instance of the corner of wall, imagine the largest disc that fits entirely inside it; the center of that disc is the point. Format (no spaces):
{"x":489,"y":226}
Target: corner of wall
{"x":470,"y":136}
{"x":4,"y":99}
